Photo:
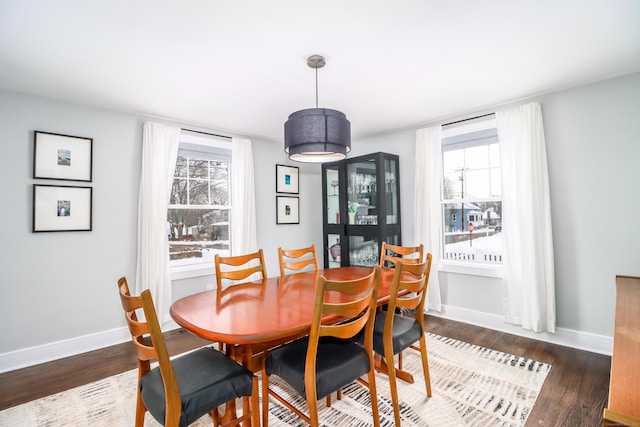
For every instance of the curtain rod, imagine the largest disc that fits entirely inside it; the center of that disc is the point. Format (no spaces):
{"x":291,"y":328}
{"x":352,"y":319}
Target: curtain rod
{"x":470,"y":118}
{"x":207,"y":133}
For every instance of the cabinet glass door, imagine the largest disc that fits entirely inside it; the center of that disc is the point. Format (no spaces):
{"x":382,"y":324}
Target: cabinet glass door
{"x":335,"y":250}
{"x":391,"y":190}
{"x":363,"y":251}
{"x":362,"y":193}
{"x":332,"y":178}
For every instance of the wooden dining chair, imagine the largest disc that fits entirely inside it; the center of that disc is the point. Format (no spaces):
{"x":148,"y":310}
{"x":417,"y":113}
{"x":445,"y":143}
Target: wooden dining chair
{"x":390,"y":255}
{"x":328,"y":359}
{"x":393,"y":333}
{"x":297,"y":260}
{"x":178,"y":392}
{"x":239,"y":268}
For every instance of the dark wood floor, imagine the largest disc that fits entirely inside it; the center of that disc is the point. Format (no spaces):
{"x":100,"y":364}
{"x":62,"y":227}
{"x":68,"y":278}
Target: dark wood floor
{"x":574,"y":393}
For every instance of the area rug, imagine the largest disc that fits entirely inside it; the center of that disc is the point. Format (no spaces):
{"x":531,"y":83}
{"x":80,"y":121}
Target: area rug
{"x":471,"y":386}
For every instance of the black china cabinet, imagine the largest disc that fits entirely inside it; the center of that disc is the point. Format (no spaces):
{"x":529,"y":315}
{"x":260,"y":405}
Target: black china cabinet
{"x":361,"y":208}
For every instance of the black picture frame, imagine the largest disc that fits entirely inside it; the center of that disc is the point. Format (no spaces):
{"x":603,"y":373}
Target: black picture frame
{"x":287,"y":210}
{"x":62,"y":208}
{"x":62,"y":157}
{"x":287,"y":179}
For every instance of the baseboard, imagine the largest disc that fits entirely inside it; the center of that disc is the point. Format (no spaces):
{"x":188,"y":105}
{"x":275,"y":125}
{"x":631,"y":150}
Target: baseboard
{"x":70,"y":347}
{"x":57,"y":350}
{"x":566,"y":337}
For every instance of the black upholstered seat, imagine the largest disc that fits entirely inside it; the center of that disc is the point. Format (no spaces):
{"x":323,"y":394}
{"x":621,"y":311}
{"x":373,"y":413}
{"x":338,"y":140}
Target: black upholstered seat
{"x":406,"y":332}
{"x":206,"y":379}
{"x":335,"y":357}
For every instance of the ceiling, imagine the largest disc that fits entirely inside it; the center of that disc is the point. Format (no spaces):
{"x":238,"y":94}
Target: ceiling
{"x":240,"y":66}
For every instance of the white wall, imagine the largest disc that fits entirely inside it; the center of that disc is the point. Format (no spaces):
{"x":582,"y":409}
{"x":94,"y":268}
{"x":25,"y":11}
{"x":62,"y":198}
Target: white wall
{"x":59,"y":289}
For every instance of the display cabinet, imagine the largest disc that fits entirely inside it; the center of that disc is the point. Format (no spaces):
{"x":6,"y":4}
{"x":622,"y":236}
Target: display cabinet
{"x":361,"y":208}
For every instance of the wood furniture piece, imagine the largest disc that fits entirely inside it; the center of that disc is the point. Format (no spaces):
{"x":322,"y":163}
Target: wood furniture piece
{"x":391,"y":254}
{"x":361,"y":208}
{"x":295,"y":260}
{"x":229,"y":268}
{"x":273,"y":309}
{"x":394,"y":333}
{"x":328,"y":359}
{"x":177,"y":392}
{"x":624,"y":387}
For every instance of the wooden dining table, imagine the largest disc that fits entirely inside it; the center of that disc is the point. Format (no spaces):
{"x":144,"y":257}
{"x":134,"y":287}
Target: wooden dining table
{"x":252,"y":317}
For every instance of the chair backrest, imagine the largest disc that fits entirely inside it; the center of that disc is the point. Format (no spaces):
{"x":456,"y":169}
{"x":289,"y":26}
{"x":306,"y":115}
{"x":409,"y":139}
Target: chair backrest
{"x":390,"y":255}
{"x":352,"y":305}
{"x":410,"y":280}
{"x":149,"y":344}
{"x":297,"y":259}
{"x":239,"y":268}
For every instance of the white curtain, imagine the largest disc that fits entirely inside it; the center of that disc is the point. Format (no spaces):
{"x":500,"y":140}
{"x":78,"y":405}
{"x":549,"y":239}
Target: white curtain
{"x":244,"y":236}
{"x":428,"y":211}
{"x":159,"y":150}
{"x":528,"y":269}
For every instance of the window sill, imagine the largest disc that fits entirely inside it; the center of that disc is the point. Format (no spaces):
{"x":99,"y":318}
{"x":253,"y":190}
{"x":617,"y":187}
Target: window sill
{"x":472,"y":269}
{"x":194,"y":270}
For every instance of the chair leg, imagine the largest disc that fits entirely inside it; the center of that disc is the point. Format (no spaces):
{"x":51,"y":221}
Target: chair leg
{"x":265,"y":398}
{"x":425,"y":364}
{"x":393,"y":385}
{"x":140,"y":411}
{"x":312,"y":404}
{"x":215,"y":415}
{"x":254,"y":403}
{"x":373,"y":395}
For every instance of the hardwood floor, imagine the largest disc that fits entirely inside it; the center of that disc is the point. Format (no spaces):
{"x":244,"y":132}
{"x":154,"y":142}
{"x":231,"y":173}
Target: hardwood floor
{"x":574,"y":393}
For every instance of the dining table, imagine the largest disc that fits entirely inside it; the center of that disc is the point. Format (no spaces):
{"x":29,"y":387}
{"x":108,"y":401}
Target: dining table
{"x":252,"y":317}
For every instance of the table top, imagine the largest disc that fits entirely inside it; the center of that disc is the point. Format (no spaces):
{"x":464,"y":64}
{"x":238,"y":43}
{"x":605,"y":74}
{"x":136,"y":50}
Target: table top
{"x":624,"y":388}
{"x":266,"y":310}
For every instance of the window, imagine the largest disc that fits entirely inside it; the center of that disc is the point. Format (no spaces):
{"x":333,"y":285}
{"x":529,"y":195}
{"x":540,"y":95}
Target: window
{"x":199,"y":208}
{"x":471,"y":193}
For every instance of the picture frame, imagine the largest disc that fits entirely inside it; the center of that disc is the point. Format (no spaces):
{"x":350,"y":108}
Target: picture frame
{"x":287,"y":179}
{"x":62,"y":208}
{"x":62,"y":157}
{"x":287,"y":210}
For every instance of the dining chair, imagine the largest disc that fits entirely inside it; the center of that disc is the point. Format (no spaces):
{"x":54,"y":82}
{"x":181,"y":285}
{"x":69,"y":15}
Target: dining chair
{"x":297,"y":260}
{"x":239,"y":268}
{"x":178,"y":392}
{"x":391,"y":254}
{"x":328,"y":359}
{"x":393,"y":333}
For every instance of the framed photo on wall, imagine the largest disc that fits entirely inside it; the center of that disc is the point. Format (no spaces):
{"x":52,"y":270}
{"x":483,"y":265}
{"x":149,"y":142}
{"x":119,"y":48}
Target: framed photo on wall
{"x":287,"y":179}
{"x":62,"y":157}
{"x":62,"y":208}
{"x":287,"y":210}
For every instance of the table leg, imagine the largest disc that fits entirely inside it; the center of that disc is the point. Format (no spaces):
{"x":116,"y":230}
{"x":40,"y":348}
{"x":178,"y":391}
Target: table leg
{"x":381,"y":366}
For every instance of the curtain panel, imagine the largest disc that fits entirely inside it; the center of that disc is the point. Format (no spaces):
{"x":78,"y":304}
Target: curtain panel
{"x":159,"y":151}
{"x":528,"y":266}
{"x":428,"y":211}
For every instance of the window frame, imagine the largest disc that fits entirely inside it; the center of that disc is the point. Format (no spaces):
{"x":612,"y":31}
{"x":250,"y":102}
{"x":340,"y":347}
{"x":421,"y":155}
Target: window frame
{"x":493,"y":270}
{"x":213,"y":145}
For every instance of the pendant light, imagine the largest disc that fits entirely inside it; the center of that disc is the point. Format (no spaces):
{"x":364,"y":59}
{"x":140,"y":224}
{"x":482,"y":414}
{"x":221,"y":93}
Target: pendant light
{"x":317,"y":135}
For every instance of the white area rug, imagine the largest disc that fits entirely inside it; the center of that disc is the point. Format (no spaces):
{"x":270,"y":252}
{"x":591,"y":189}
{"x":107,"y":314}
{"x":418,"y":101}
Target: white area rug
{"x":471,"y":385}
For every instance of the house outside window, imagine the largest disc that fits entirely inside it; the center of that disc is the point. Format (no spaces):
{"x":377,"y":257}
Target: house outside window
{"x":199,"y":207}
{"x":471,"y":194}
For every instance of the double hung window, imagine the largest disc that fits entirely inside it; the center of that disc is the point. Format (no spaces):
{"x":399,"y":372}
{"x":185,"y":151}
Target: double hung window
{"x":199,"y":207}
{"x":471,"y":194}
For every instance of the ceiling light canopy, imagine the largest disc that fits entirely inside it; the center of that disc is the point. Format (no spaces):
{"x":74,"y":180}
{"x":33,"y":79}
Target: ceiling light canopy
{"x":317,"y":135}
